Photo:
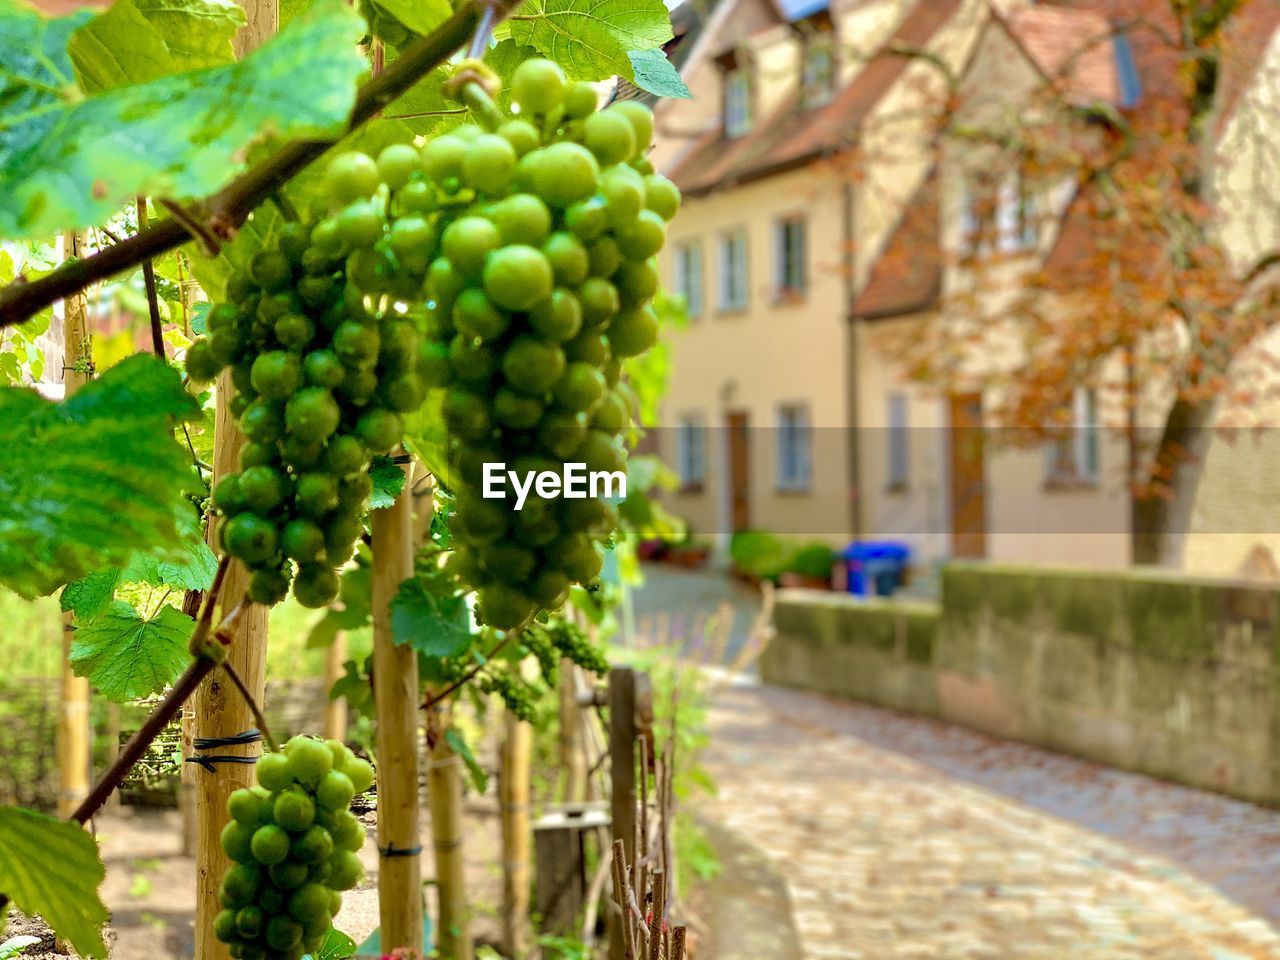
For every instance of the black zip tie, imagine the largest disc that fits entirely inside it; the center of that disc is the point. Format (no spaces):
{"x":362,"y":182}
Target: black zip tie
{"x":236,"y":740}
{"x":391,"y":850}
{"x":402,"y":458}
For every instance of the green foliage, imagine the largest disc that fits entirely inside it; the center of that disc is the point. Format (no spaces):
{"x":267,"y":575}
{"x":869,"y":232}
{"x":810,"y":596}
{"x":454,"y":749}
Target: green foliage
{"x":63,"y":163}
{"x":337,"y":946}
{"x":388,"y":482}
{"x":197,"y":33}
{"x":127,"y":656}
{"x":654,"y":72}
{"x":86,"y":483}
{"x":591,"y":39}
{"x":811,"y":560}
{"x":758,"y":554}
{"x":434,"y":622}
{"x":458,"y":744}
{"x":15,"y":945}
{"x":52,"y":868}
{"x":21,"y":360}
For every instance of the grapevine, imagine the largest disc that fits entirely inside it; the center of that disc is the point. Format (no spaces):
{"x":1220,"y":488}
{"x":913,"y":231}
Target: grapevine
{"x":293,"y":843}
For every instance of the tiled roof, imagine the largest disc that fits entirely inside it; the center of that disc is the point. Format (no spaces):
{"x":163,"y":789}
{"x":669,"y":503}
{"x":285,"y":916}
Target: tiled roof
{"x":1247,"y":38}
{"x":907,"y":276}
{"x":1074,"y":48}
{"x":687,"y":23}
{"x":792,"y":135}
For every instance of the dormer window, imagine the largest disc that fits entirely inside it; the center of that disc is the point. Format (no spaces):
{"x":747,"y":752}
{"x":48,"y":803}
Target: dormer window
{"x":737,"y":102}
{"x":818,"y":79}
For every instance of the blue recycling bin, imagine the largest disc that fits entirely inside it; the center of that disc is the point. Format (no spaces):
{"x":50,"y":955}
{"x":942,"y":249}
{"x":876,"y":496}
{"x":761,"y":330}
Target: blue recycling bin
{"x":878,"y":566}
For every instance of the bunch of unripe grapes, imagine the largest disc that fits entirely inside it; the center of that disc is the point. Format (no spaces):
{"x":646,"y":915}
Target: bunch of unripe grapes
{"x":540,"y":287}
{"x":320,"y":383}
{"x":293,"y":843}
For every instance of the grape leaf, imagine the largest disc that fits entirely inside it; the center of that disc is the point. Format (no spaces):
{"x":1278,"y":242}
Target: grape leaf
{"x":67,"y":160}
{"x":420,"y":16}
{"x":52,"y":868}
{"x":654,"y":72}
{"x":197,"y":32}
{"x":435,"y":626}
{"x":128,"y":656}
{"x":591,"y":39}
{"x":388,"y":482}
{"x":89,"y":596}
{"x":117,"y":48}
{"x":87,"y":482}
{"x":336,"y":946}
{"x":191,"y":567}
{"x":458,"y":744}
{"x":425,"y":435}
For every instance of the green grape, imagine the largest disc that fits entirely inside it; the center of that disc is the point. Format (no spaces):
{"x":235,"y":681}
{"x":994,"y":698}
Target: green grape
{"x":538,"y":86}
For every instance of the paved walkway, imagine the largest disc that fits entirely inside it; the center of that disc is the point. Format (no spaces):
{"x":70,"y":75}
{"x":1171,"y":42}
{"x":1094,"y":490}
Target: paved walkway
{"x":901,"y":837}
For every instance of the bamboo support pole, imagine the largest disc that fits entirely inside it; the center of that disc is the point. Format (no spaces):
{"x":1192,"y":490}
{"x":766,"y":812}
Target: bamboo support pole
{"x":517,"y":834}
{"x":335,"y":710}
{"x":217,"y":707}
{"x":395,"y":695}
{"x":444,"y":791}
{"x":73,"y":737}
{"x":573,"y":760}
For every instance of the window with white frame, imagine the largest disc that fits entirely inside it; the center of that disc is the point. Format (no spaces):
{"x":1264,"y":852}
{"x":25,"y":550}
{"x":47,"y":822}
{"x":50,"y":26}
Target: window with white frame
{"x":818,"y":75}
{"x":737,"y":102}
{"x":897,"y":438}
{"x":789,"y":252}
{"x":1073,"y":454}
{"x":1016,"y":225}
{"x":733,"y":270}
{"x":689,"y":275}
{"x":691,"y":451}
{"x":795,"y":448}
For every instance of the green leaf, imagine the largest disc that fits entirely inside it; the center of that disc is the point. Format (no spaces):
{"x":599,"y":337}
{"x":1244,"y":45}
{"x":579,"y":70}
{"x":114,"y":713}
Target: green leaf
{"x":654,"y":72}
{"x":68,"y":161}
{"x":192,"y":566}
{"x":420,"y":16}
{"x":353,"y":687}
{"x":89,"y":596}
{"x":197,"y":32}
{"x":458,"y":744}
{"x":200,"y":317}
{"x":336,"y":946}
{"x":117,"y":48}
{"x":388,"y":482}
{"x":426,"y":436}
{"x":52,"y":868}
{"x":591,"y":39}
{"x":87,"y":482}
{"x":127,"y":656}
{"x":435,"y":626}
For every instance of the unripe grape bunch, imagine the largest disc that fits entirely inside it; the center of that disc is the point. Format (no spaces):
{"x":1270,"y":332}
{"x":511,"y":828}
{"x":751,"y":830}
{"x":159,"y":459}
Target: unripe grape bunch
{"x":292,"y":841}
{"x":509,"y":263}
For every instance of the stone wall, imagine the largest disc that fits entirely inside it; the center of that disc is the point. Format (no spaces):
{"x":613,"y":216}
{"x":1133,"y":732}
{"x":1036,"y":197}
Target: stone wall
{"x":1167,"y":675}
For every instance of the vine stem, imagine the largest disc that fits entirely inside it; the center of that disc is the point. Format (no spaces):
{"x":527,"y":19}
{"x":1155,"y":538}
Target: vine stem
{"x":437,"y":698}
{"x":259,"y":717}
{"x":227,"y":209}
{"x":149,"y":279}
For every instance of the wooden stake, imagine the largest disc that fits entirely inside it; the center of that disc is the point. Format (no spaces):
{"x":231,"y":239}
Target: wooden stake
{"x":73,"y":737}
{"x":514,"y":790}
{"x":444,"y":793}
{"x":395,"y":697}
{"x":622,"y":765}
{"x":572,"y":759}
{"x":335,"y":711}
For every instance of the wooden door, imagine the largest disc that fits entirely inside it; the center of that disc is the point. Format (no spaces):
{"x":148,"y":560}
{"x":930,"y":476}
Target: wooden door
{"x":736,"y":424}
{"x":968,"y":476}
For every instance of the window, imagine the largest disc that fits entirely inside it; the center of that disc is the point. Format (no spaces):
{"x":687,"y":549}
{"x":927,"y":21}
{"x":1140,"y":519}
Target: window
{"x":975,"y":214}
{"x":818,"y":80}
{"x":1016,"y":226}
{"x":1073,"y":454}
{"x":689,"y":275}
{"x":737,"y":102}
{"x":691,"y":453}
{"x":794,"y":448}
{"x":897,"y":438}
{"x":790,"y":257}
{"x":733,"y":270}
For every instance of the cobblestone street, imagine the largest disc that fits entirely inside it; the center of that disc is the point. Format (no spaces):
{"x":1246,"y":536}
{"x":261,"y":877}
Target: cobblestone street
{"x":903,"y":837}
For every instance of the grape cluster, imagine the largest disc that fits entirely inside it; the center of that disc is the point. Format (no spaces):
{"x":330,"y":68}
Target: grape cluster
{"x":559,"y":639}
{"x":320,"y":383}
{"x":519,"y":697}
{"x":540,"y":289}
{"x":293,"y":843}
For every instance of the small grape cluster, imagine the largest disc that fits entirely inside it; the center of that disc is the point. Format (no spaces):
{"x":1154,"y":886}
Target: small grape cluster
{"x":520,"y":698}
{"x":559,"y":639}
{"x":293,"y":843}
{"x":541,"y":289}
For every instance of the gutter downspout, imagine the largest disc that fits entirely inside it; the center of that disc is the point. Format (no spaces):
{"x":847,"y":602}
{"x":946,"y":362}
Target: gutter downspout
{"x":852,"y":384}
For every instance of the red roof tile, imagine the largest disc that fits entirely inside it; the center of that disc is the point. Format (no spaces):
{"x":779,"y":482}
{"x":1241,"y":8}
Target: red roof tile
{"x":1073,"y":48}
{"x":907,"y":276}
{"x":792,"y":136}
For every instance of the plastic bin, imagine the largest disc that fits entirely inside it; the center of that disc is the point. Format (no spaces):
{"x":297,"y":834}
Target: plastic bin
{"x":875,"y":566}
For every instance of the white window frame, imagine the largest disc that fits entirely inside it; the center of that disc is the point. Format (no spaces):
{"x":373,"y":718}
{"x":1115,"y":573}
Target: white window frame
{"x":795,"y":448}
{"x":737,"y":102}
{"x":897,"y":440}
{"x":689,"y":276}
{"x":734,"y":272}
{"x":791,"y":268}
{"x":1016,"y":226}
{"x":1075,"y":457}
{"x":691,"y":451}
